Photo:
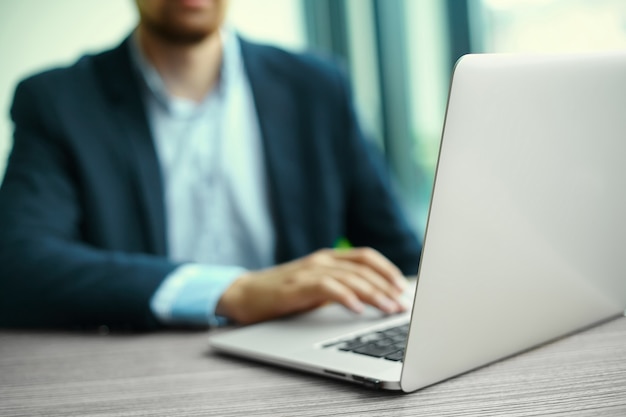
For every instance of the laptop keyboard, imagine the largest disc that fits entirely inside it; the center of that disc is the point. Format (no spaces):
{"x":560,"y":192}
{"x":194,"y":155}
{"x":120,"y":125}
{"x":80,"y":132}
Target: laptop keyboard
{"x":388,"y":343}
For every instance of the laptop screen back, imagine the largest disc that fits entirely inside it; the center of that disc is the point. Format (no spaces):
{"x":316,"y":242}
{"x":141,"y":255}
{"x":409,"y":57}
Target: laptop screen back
{"x":526,"y":234}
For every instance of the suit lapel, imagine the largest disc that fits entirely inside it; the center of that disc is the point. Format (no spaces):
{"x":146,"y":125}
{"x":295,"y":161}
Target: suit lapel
{"x":121,"y":85}
{"x":276,"y":110}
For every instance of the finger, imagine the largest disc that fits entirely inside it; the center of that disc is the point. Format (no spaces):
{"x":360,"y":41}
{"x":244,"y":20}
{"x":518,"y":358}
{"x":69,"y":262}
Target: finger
{"x":367,"y":274}
{"x":326,"y":288}
{"x":375,"y":260}
{"x":369,"y":293}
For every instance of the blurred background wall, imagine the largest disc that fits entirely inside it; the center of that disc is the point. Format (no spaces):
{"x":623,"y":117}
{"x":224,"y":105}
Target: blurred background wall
{"x":399,"y":54}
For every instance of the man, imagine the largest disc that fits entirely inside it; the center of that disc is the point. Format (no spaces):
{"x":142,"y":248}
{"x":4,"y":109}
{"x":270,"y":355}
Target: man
{"x":187,"y":177}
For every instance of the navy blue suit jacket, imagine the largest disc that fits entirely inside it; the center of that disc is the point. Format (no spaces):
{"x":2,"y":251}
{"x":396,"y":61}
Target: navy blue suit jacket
{"x":82,"y":222}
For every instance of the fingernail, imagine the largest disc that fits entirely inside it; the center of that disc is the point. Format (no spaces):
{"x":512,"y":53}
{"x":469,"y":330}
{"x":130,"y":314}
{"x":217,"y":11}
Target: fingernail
{"x":386,"y":305}
{"x":356,"y":306}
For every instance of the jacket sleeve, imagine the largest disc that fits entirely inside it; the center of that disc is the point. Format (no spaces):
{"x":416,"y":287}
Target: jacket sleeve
{"x":49,"y":276}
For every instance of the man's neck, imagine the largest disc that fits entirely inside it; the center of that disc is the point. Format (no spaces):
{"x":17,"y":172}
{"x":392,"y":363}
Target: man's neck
{"x":188,"y":71}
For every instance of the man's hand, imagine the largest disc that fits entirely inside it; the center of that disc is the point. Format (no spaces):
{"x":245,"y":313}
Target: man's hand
{"x":350,"y":277}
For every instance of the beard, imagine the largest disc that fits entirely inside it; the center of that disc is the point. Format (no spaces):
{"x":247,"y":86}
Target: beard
{"x":182,"y":34}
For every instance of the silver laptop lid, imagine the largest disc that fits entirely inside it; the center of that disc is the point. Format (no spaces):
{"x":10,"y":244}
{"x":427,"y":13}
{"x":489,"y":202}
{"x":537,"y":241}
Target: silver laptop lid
{"x":526,"y":236}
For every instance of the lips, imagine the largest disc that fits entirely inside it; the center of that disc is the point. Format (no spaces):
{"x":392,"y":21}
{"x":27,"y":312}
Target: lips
{"x":196,"y":4}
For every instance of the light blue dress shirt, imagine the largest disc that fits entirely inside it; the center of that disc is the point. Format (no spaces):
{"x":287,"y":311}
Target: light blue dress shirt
{"x":217,"y":213}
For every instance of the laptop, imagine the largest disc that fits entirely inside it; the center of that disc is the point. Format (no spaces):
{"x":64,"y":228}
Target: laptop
{"x":525,"y":240}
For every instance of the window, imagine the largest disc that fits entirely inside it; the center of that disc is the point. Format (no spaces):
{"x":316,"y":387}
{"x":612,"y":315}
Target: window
{"x":548,"y":25}
{"x":400,"y":54}
{"x":428,"y":51}
{"x":281,"y":24}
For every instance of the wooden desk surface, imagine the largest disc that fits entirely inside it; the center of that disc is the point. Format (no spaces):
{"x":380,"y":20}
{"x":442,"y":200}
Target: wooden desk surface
{"x":175,"y":374}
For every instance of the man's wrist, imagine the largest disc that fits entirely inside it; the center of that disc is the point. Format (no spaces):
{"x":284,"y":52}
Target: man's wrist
{"x":189,"y":295}
{"x":231,"y":302}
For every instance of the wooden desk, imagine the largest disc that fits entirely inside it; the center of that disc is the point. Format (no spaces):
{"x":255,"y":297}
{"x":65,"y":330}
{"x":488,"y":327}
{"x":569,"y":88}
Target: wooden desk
{"x":175,"y":374}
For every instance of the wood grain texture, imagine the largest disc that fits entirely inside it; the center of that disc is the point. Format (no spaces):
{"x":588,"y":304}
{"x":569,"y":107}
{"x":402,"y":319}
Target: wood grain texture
{"x":175,"y":374}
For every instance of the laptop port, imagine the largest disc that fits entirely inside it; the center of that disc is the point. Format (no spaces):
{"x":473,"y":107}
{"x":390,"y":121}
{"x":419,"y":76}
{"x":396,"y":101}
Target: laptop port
{"x":335,"y":373}
{"x":368,"y":382}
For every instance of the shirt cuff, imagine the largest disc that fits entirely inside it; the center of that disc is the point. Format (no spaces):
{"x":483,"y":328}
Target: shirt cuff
{"x":190,"y":293}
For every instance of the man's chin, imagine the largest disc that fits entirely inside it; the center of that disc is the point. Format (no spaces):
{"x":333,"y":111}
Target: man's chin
{"x":181,"y":35}
{"x":186,"y":38}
